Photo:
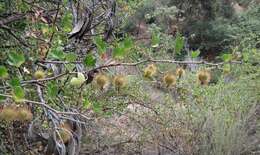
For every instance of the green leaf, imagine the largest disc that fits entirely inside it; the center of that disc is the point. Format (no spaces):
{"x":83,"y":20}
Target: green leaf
{"x":155,"y":40}
{"x":119,"y":52}
{"x":226,"y":57}
{"x":57,"y":53}
{"x":18,"y":94}
{"x":195,"y":54}
{"x":2,"y":97}
{"x":108,"y":113}
{"x":97,"y":108}
{"x":226,"y":68}
{"x":14,"y":82}
{"x":122,"y":48}
{"x":128,"y":43}
{"x":101,"y":45}
{"x":70,"y":67}
{"x":71,"y":57}
{"x":3,"y":72}
{"x":66,"y":22}
{"x":179,"y":43}
{"x":22,"y":7}
{"x":86,"y":104}
{"x":46,"y":30}
{"x":65,"y":1}
{"x":16,"y":59}
{"x":246,"y":57}
{"x":52,"y":89}
{"x":90,"y":60}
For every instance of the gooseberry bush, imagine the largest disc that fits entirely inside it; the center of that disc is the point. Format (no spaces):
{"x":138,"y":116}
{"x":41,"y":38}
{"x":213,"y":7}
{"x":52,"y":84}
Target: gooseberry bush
{"x":70,"y":83}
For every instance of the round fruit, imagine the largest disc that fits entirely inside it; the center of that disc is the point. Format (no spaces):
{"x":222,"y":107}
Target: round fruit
{"x":78,"y":81}
{"x":39,"y":74}
{"x":8,"y":114}
{"x":102,"y":80}
{"x":119,"y":81}
{"x":24,"y":115}
{"x":204,"y":77}
{"x":169,"y":79}
{"x":150,"y":71}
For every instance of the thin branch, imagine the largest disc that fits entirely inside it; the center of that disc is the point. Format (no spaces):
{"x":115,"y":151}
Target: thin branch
{"x":143,"y":61}
{"x":164,"y":61}
{"x":53,"y":26}
{"x":194,"y":62}
{"x":46,"y":79}
{"x":10,"y":31}
{"x":13,"y":18}
{"x":9,"y":46}
{"x":19,"y":16}
{"x":59,"y":62}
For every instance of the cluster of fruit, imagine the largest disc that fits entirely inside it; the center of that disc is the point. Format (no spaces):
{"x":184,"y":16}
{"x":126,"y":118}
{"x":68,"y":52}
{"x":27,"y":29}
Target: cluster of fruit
{"x":14,"y":112}
{"x":170,"y":79}
{"x":119,"y":81}
{"x":101,"y":80}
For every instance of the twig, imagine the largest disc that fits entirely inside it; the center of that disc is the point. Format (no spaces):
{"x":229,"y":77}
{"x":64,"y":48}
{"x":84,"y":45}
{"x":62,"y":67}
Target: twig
{"x":9,"y":30}
{"x":164,"y":61}
{"x":194,"y":62}
{"x":9,"y":46}
{"x":59,"y":62}
{"x":144,"y":61}
{"x":46,"y":79}
{"x":13,"y":18}
{"x":53,"y":25}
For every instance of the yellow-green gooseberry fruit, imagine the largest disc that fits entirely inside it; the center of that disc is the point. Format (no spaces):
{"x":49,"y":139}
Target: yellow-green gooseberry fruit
{"x":169,"y":79}
{"x":39,"y":74}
